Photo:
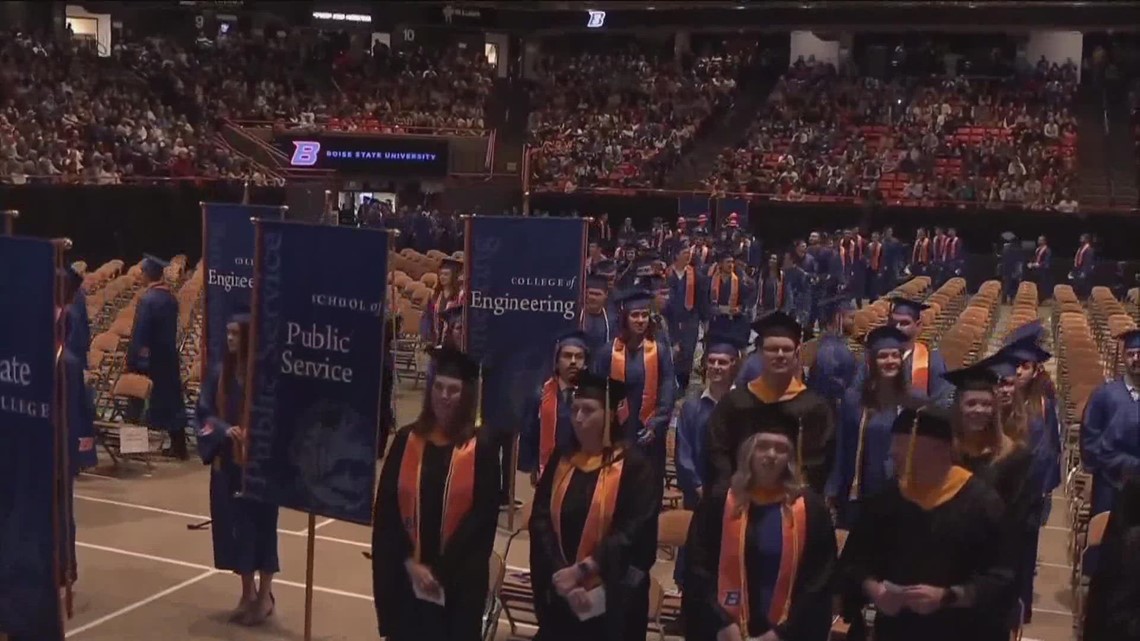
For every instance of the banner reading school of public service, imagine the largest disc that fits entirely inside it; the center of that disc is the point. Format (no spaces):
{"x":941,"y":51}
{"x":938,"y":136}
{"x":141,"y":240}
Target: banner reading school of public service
{"x":316,"y":366}
{"x":524,"y":284}
{"x":29,"y":602}
{"x":227,"y":249}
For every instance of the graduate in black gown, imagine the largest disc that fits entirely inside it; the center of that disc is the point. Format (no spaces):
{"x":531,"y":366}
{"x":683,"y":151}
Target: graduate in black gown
{"x":761,"y":552}
{"x":593,"y":530}
{"x":435,"y":516}
{"x":1112,"y":612}
{"x":244,"y":531}
{"x":779,"y":390}
{"x":998,"y":457}
{"x":929,"y":550}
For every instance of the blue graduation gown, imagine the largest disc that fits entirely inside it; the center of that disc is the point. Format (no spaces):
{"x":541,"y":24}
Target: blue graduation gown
{"x":939,"y":390}
{"x":635,"y":384}
{"x":769,"y":294}
{"x":737,"y":326}
{"x":689,"y":454}
{"x":153,"y":352}
{"x":1010,"y":268}
{"x":750,"y":370}
{"x":244,"y":531}
{"x":600,"y":328}
{"x":1045,"y":444}
{"x":1110,"y":441}
{"x":78,"y":326}
{"x":834,"y":369}
{"x":877,"y":467}
{"x":1044,"y":273}
{"x":798,"y":290}
{"x":685,"y":324}
{"x":530,"y":437}
{"x":81,"y":449}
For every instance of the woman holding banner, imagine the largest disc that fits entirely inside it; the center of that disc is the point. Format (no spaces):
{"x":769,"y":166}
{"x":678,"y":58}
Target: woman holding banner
{"x":594,"y":526}
{"x":244,"y":531}
{"x":436,"y":513}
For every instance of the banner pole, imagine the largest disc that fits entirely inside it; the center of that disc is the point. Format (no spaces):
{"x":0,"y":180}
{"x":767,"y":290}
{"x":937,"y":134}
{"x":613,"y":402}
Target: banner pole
{"x":62,"y":441}
{"x":309,"y":577}
{"x":7,"y":225}
{"x":514,"y":481}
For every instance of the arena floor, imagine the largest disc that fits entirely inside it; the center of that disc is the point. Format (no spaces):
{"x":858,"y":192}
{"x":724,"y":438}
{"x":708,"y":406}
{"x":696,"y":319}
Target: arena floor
{"x":141,"y":570}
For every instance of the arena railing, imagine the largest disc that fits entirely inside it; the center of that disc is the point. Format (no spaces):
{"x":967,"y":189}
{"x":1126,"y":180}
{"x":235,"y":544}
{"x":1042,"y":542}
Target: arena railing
{"x":359,"y":130}
{"x":60,"y":179}
{"x":811,"y":199}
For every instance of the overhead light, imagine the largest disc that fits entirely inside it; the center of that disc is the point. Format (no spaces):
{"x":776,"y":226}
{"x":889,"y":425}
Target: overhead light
{"x":342,"y":17}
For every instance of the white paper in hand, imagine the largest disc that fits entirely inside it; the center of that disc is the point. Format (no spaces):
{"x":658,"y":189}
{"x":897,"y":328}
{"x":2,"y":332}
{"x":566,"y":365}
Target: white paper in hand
{"x":893,"y":588}
{"x":597,"y":604}
{"x":431,"y":597}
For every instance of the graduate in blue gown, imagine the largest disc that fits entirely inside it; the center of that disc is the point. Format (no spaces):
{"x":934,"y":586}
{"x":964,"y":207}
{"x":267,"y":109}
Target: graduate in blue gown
{"x":244,"y":531}
{"x":452,"y":336}
{"x":1010,"y":267}
{"x":919,"y":361}
{"x":1040,"y":268}
{"x":599,"y":315}
{"x":728,"y":291}
{"x":1110,"y":430}
{"x":744,"y":580}
{"x":799,"y":279}
{"x":863,"y":464}
{"x":771,"y":294}
{"x":153,"y":352}
{"x":835,"y":366}
{"x":687,"y":309}
{"x":78,"y":323}
{"x":547,"y":413}
{"x":81,"y":439}
{"x":636,"y":356}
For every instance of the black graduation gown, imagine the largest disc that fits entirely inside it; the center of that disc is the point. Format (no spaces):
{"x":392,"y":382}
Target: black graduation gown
{"x":624,"y":555}
{"x":727,"y":430}
{"x":1113,"y":606}
{"x":1011,"y":477}
{"x":809,"y":618}
{"x":461,"y":568}
{"x":961,"y":542}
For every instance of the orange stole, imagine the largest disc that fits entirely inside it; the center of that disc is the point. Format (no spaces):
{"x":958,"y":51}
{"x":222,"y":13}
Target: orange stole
{"x":732,"y":577}
{"x":876,"y":255}
{"x":733,"y":290}
{"x":920,"y":369}
{"x":649,"y":389}
{"x":602,"y":505}
{"x":690,"y":288}
{"x":547,"y":422}
{"x":459,"y":489}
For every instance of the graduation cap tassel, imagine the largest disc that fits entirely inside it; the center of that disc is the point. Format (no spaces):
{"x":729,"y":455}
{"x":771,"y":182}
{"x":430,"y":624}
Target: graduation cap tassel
{"x":479,"y":399}
{"x":800,"y":449}
{"x":909,"y":468}
{"x":606,"y":443}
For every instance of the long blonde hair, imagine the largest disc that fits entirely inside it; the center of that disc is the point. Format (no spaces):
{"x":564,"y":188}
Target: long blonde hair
{"x":997,"y":443}
{"x":743,"y":479}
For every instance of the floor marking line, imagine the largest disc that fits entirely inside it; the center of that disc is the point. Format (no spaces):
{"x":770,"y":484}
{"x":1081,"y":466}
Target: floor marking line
{"x":324,"y":523}
{"x":144,"y":556}
{"x":1048,"y":611}
{"x":138,"y":604}
{"x":1064,"y":566}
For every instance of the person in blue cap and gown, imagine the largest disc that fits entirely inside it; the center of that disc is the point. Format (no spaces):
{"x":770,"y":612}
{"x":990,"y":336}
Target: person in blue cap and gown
{"x":78,"y":323}
{"x":835,"y":366}
{"x":1110,"y":429}
{"x":1040,"y":268}
{"x":1084,"y":266}
{"x":728,"y":291}
{"x":547,"y":427}
{"x":799,"y":281}
{"x":244,"y":531}
{"x":1010,"y":266}
{"x":771,"y":294}
{"x":999,"y":455}
{"x":153,"y":352}
{"x":637,"y":358}
{"x":923,"y":366}
{"x":447,"y":295}
{"x":599,"y":315}
{"x":687,"y":309}
{"x":659,"y":312}
{"x":863,"y":464}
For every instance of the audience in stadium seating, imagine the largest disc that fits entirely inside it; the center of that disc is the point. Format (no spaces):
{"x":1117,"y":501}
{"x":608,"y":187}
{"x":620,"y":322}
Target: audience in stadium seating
{"x":621,"y":119}
{"x":70,"y":116}
{"x":912,"y":140}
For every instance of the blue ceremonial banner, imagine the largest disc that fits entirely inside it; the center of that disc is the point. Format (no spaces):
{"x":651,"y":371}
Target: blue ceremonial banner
{"x":692,"y":205}
{"x":29,"y":533}
{"x":227,"y":252}
{"x":524,"y":288}
{"x":316,"y":363}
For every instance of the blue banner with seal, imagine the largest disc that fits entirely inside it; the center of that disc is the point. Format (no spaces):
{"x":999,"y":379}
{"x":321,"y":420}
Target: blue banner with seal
{"x":524,"y":289}
{"x":30,"y":527}
{"x":316,"y":363}
{"x":227,"y":257}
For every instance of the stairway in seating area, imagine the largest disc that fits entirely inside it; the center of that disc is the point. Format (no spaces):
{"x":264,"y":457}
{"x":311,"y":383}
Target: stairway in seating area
{"x":1095,"y":186}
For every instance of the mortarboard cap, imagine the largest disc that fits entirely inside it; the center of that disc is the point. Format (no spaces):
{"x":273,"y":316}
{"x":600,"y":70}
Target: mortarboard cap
{"x":703,"y":218}
{"x":452,"y":363}
{"x":653,"y":283}
{"x":600,"y":388}
{"x":904,"y":305}
{"x":1008,"y":236}
{"x":682,"y":221}
{"x":597,"y":281}
{"x":723,"y":344}
{"x":1034,"y":329}
{"x":766,"y":420}
{"x":930,"y":421}
{"x":979,"y":377}
{"x":1130,"y":338}
{"x":575,"y":338}
{"x":241,"y":314}
{"x":643,"y":266}
{"x":153,"y":266}
{"x":633,"y":299}
{"x":1025,"y":350}
{"x":453,"y":264}
{"x":833,"y":305}
{"x":778,"y":324}
{"x":884,"y":337}
{"x":606,"y":268}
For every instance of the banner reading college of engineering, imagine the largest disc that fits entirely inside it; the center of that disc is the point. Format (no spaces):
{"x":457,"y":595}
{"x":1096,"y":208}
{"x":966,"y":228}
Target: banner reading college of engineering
{"x":524,"y":289}
{"x":29,"y":602}
{"x":227,"y":249}
{"x":318,"y":329}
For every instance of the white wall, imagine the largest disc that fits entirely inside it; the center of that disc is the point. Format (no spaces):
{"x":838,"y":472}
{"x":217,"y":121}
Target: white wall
{"x":502,"y":44}
{"x":103,"y":28}
{"x":1057,"y":46}
{"x":806,"y":44}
